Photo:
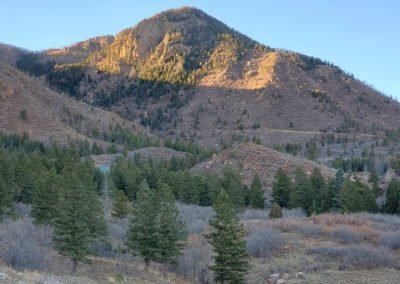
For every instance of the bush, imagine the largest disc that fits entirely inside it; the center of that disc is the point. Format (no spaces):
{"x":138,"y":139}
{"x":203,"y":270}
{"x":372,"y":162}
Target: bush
{"x":193,"y":263}
{"x":390,"y":240}
{"x":346,"y":236}
{"x":254,"y":214}
{"x":311,"y":231}
{"x":24,"y":245}
{"x":264,"y":242}
{"x":195,"y":217}
{"x":275,"y":212}
{"x":294,"y":213}
{"x":356,"y":256}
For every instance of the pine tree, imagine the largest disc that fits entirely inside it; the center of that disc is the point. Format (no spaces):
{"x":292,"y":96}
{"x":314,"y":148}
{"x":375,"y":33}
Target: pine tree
{"x":281,"y":188}
{"x":392,"y":197}
{"x":357,"y":197}
{"x":373,"y":178}
{"x":45,"y":200}
{"x":120,"y":205}
{"x":318,"y":193}
{"x":275,"y":212}
{"x":171,"y":230}
{"x":299,"y":193}
{"x":5,"y":199}
{"x":143,"y":231}
{"x":334,"y":191}
{"x":256,"y":196}
{"x":80,"y":219}
{"x":228,"y":239}
{"x":232,"y":184}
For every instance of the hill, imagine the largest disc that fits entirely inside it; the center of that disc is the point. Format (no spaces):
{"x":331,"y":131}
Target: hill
{"x":251,"y":159}
{"x":186,"y":74}
{"x":30,"y":107}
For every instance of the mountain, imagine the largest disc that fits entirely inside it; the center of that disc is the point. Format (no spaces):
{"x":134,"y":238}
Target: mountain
{"x":78,"y":51}
{"x":187,"y":75}
{"x":28,"y":106}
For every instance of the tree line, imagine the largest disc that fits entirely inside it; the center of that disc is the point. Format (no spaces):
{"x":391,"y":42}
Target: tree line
{"x":317,"y":195}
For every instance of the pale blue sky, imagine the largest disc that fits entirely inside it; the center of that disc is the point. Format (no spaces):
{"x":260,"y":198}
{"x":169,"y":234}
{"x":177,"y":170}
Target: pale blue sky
{"x":360,"y":36}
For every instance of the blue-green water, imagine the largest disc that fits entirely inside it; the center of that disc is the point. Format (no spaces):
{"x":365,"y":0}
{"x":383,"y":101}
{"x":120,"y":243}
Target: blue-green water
{"x":104,"y":168}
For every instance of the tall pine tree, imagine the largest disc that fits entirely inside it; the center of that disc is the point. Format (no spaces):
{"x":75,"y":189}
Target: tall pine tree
{"x":171,"y":230}
{"x":232,"y":184}
{"x":80,"y":218}
{"x":120,"y":205}
{"x":228,"y":239}
{"x":300,"y":192}
{"x":256,"y":196}
{"x":334,"y":191}
{"x":392,"y":197}
{"x":281,"y":188}
{"x":45,"y":200}
{"x":357,"y":197}
{"x":318,"y":193}
{"x":143,"y":231}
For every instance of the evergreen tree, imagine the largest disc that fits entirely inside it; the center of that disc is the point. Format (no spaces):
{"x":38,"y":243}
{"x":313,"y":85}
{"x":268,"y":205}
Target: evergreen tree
{"x":334,"y":191}
{"x":299,"y":193}
{"x":357,"y":197}
{"x":392,"y":197}
{"x":373,"y":178}
{"x":142,"y":235}
{"x":256,"y":196}
{"x":5,"y":199}
{"x":171,"y":230}
{"x":120,"y":205}
{"x":318,"y":193}
{"x":80,"y":218}
{"x":45,"y":200}
{"x":232,"y":184}
{"x":275,"y":212}
{"x":281,"y":188}
{"x":228,"y":239}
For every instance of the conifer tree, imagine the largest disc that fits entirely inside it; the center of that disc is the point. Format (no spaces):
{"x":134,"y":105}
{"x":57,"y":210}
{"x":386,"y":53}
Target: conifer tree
{"x":143,"y":231}
{"x":318,"y":193}
{"x":256,"y":196}
{"x":80,"y":218}
{"x":232,"y":184}
{"x":5,"y":199}
{"x":281,"y":188}
{"x":356,"y":197}
{"x":120,"y":205}
{"x":299,"y":193}
{"x":392,"y":197}
{"x":228,"y":239}
{"x":171,"y":230}
{"x":45,"y":200}
{"x":334,"y":191}
{"x":275,"y":212}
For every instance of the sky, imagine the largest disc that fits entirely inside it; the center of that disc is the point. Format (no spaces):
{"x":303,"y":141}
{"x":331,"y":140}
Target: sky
{"x":360,"y":36}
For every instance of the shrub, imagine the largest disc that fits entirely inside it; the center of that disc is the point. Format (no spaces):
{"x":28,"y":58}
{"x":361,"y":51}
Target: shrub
{"x":294,"y":213}
{"x":193,"y":263}
{"x":254,"y":214}
{"x":390,"y":240}
{"x":346,"y":236}
{"x":24,"y":245}
{"x":356,"y":256}
{"x":275,"y":212}
{"x":264,"y":242}
{"x":311,"y":231}
{"x":195,"y":217}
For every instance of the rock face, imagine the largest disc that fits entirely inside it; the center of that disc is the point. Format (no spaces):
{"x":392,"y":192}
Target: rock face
{"x":251,"y":158}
